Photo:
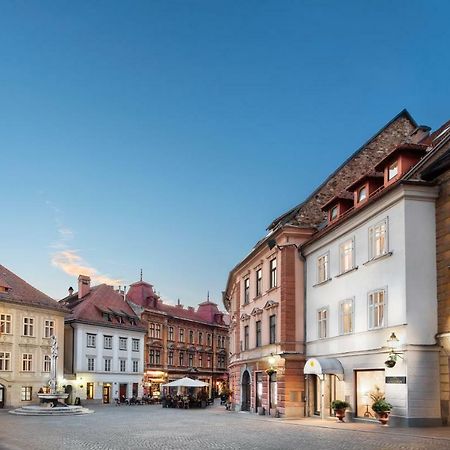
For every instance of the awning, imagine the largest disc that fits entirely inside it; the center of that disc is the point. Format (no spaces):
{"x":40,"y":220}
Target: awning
{"x":322,"y":366}
{"x":186,"y":382}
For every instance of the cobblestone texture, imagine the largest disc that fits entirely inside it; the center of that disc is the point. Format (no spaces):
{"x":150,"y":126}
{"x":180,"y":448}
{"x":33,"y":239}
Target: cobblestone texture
{"x":152,"y":427}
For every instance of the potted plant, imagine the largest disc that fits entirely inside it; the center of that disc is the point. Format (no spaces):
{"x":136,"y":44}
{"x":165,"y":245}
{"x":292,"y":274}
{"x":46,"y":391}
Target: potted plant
{"x":339,"y":407}
{"x":380,"y":406}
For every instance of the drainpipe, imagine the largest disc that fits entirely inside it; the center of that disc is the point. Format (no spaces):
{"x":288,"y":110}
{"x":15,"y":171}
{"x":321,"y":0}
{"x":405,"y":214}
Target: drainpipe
{"x":306,"y":399}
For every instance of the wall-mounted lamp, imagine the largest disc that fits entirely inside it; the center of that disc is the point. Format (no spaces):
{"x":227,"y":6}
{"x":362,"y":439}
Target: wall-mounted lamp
{"x":271,"y":361}
{"x":394,"y":354}
{"x":272,"y":243}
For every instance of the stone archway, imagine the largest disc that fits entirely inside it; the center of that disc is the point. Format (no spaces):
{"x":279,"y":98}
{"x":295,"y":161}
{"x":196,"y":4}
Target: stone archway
{"x":245,"y":389}
{"x":2,"y":395}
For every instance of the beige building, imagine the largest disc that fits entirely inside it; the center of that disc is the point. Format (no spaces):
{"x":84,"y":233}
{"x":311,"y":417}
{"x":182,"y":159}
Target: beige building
{"x":28,"y":318}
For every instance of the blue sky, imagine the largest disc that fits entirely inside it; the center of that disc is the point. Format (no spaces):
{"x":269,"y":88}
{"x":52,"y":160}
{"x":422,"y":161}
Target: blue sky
{"x":166,"y":135}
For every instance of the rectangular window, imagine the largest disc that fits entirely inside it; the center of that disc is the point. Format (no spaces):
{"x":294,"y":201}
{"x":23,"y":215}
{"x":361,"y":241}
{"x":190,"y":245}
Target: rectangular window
{"x":334,"y":213}
{"x":28,"y":326}
{"x":91,"y":340}
{"x":208,"y":361}
{"x":107,"y":342}
{"x":258,"y":333}
{"x":191,"y":337}
{"x":322,"y":318}
{"x":181,"y":335}
{"x":393,"y":170}
{"x":362,"y":194}
{"x":219,"y":341}
{"x":47,"y":364}
{"x":246,"y":335}
{"x":49,"y":328}
{"x":346,"y":256}
{"x":322,"y":268}
{"x":208,"y":339}
{"x":170,"y":358}
{"x":107,"y":364}
{"x":27,"y":362}
{"x":157,"y":357}
{"x":91,"y":364}
{"x":152,"y":329}
{"x":246,"y":291}
{"x":135,"y":366}
{"x":135,"y":345}
{"x":258,"y":282}
{"x":5,"y":323}
{"x":123,"y":365}
{"x":171,"y":334}
{"x":123,"y":343}
{"x":158,"y":331}
{"x":376,"y":309}
{"x":5,"y":361}
{"x":273,"y":273}
{"x":273,"y":328}
{"x":378,"y":244}
{"x":346,"y":316}
{"x":181,"y":359}
{"x":200,"y":360}
{"x":89,"y":391}
{"x":200,"y":338}
{"x":191,"y":360}
{"x":26,"y":393}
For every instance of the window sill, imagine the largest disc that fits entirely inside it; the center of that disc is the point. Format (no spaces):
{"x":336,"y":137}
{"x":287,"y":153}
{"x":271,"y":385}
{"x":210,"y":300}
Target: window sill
{"x":257,"y":297}
{"x":377,"y":258}
{"x":271,"y":289}
{"x":346,"y":272}
{"x":322,"y":282}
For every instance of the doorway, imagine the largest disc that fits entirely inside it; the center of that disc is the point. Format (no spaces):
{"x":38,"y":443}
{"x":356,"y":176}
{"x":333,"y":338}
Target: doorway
{"x":245,"y":391}
{"x":2,"y":396}
{"x":368,"y":382}
{"x":106,"y":393}
{"x":123,"y":392}
{"x":259,"y":389}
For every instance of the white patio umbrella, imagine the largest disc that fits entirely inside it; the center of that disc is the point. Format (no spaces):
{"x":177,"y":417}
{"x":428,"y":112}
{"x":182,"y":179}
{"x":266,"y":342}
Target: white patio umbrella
{"x":186,"y":382}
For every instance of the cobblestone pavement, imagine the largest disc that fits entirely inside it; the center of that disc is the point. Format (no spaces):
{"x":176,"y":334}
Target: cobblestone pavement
{"x":152,"y":427}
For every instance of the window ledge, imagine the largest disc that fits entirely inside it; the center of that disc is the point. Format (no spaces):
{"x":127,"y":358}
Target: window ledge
{"x":272,"y":289}
{"x":322,"y":282}
{"x":383,"y":256}
{"x":346,"y":272}
{"x":256,"y":297}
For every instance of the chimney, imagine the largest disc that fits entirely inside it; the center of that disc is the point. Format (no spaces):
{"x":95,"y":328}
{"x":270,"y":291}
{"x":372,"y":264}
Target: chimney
{"x":84,"y":285}
{"x":70,"y":290}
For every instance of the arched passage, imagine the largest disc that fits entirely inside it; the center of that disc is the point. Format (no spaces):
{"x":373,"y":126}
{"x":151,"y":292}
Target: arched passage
{"x":2,"y":395}
{"x":245,"y":389}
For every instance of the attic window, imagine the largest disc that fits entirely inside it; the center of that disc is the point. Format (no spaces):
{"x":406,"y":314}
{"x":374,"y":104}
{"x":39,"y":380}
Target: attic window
{"x":334,"y":212}
{"x":3,"y":289}
{"x":393,"y":170}
{"x":107,"y":317}
{"x":362,"y":194}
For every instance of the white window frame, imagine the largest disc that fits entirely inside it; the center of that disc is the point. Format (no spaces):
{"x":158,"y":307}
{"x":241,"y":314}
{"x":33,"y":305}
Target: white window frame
{"x":246,"y":291}
{"x":135,"y":366}
{"x":273,"y":267}
{"x":322,"y":332}
{"x":341,"y":316}
{"x":325,"y":255}
{"x":49,"y":328}
{"x":91,"y":339}
{"x":373,"y":233}
{"x":361,"y":190}
{"x":91,"y":364}
{"x":135,"y":345}
{"x":46,"y":364}
{"x":258,"y":278}
{"x":123,"y":343}
{"x":28,"y":326}
{"x":5,"y":323}
{"x":122,"y":365}
{"x":374,"y":309}
{"x":107,"y":364}
{"x":107,"y":342}
{"x":342,"y":255}
{"x":389,"y":176}
{"x":26,"y":393}
{"x":5,"y":361}
{"x":27,"y":362}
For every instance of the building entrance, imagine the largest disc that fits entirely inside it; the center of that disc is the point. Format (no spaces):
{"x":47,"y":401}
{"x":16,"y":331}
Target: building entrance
{"x":2,"y":396}
{"x":245,"y":391}
{"x":122,"y":392}
{"x":106,"y":393}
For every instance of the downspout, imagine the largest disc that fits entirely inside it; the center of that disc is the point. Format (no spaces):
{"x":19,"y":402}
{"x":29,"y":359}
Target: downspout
{"x":306,"y":399}
{"x":73,"y":347}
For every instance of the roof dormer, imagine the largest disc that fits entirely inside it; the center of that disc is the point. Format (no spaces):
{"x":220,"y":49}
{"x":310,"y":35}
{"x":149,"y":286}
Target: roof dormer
{"x":365,"y":186}
{"x":399,"y":161}
{"x":337,"y":206}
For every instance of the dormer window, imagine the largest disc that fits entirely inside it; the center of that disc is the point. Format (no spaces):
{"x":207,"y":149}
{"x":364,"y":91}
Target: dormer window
{"x":362,"y":194}
{"x":334,"y":213}
{"x":393,"y":170}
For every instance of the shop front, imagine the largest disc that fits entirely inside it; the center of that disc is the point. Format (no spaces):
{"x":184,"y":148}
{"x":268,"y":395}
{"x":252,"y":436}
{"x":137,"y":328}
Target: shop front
{"x":153,"y":379}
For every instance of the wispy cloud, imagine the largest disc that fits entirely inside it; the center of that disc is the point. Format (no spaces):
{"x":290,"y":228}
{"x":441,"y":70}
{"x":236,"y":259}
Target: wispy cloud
{"x":68,"y":259}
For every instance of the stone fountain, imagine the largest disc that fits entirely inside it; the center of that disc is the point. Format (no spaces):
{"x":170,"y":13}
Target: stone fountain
{"x":52,"y":401}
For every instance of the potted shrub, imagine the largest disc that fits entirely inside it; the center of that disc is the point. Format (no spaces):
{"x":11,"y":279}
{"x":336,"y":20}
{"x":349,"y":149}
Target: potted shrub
{"x":339,"y":407}
{"x":380,"y":406}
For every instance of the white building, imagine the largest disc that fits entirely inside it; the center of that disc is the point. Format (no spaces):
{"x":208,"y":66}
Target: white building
{"x":104,"y":344}
{"x":371,"y":279}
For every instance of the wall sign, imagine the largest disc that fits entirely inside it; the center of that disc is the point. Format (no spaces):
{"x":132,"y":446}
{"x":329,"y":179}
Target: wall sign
{"x":395,"y":380}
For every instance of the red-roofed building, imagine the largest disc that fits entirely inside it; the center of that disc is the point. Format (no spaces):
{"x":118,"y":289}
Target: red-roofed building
{"x":104,"y":344}
{"x":28,"y":318}
{"x":181,"y":341}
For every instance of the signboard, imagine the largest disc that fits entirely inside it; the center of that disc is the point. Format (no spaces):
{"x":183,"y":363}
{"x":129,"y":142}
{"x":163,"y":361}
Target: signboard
{"x":395,"y":380}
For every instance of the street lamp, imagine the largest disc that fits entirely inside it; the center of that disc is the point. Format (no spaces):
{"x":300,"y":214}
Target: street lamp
{"x":394,"y":354}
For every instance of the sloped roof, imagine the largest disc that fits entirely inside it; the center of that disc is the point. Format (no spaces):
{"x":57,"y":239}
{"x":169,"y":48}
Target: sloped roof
{"x":101,"y":301}
{"x":20,"y":292}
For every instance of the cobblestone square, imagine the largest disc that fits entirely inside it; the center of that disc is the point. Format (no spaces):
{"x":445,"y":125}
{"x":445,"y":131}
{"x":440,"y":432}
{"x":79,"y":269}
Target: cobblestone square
{"x":153,"y":427}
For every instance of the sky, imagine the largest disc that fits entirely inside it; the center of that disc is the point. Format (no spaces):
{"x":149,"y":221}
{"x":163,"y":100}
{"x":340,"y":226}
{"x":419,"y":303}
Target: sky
{"x":167,"y":135}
